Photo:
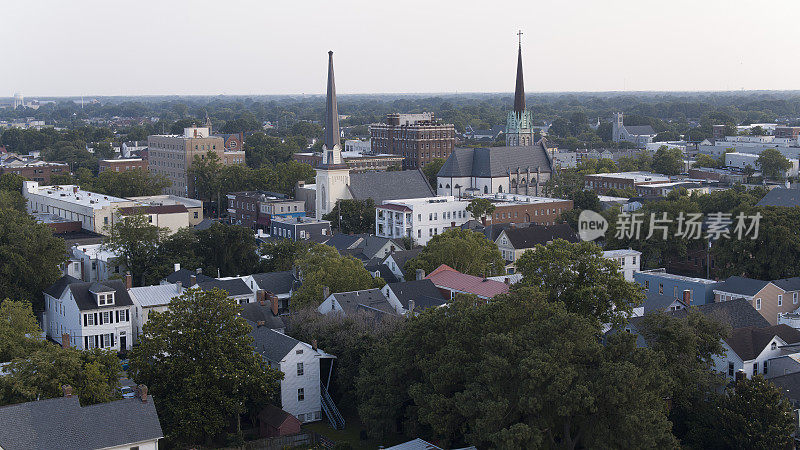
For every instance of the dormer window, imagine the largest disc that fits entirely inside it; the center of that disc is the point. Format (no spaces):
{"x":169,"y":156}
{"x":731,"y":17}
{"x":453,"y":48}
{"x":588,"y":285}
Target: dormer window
{"x":105,"y":299}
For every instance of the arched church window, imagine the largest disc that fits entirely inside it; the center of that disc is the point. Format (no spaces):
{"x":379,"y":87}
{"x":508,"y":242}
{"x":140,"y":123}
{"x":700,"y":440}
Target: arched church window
{"x":440,"y":185}
{"x":486,"y":189}
{"x":500,"y":188}
{"x":447,"y":186}
{"x":513,"y":183}
{"x":324,"y":199}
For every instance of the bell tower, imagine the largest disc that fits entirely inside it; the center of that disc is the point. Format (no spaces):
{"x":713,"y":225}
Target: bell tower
{"x":519,"y":131}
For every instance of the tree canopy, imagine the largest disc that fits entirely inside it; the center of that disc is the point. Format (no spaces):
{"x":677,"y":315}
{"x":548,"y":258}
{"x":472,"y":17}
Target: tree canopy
{"x":197,"y":360}
{"x":464,"y":250}
{"x":353,"y":216}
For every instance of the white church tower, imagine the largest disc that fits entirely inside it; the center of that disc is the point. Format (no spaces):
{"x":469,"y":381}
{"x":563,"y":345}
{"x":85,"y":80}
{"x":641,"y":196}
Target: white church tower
{"x":333,"y":175}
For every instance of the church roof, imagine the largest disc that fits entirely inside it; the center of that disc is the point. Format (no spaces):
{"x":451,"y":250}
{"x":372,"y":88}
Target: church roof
{"x":639,"y":130}
{"x":331,"y":109}
{"x":519,"y":91}
{"x":495,"y":161}
{"x":381,"y":186}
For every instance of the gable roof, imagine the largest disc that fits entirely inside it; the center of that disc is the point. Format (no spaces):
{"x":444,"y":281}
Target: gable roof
{"x":394,"y":185}
{"x":273,"y":346}
{"x":446,"y":277}
{"x":496,"y":161}
{"x":56,"y":289}
{"x":741,"y":285}
{"x":789,"y":385}
{"x":533,"y":235}
{"x":640,"y":129}
{"x":749,"y":342}
{"x":185,"y":275}
{"x":737,"y":313}
{"x":401,"y":257}
{"x":85,"y":300}
{"x":233,"y":286}
{"x":657,"y":302}
{"x":62,"y":423}
{"x":788,"y":284}
{"x":423,"y":292}
{"x":367,"y":300}
{"x":255,"y":312}
{"x":276,"y":282}
{"x":157,"y":295}
{"x":275,"y":417}
{"x":781,"y":197}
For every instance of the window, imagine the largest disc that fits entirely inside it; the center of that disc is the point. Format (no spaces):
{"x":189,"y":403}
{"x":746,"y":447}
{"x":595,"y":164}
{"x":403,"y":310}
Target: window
{"x":780,"y":300}
{"x":661,"y":288}
{"x":766,"y":367}
{"x":299,"y":369}
{"x":301,"y":395}
{"x":299,"y":352}
{"x":106,"y":317}
{"x":755,"y":368}
{"x":794,"y":298}
{"x":730,"y":369}
{"x":646,"y":285}
{"x":758,"y":303}
{"x":773,"y":346}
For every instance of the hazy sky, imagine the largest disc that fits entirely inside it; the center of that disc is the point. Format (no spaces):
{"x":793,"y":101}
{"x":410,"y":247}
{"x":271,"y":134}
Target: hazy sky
{"x":77,"y":47}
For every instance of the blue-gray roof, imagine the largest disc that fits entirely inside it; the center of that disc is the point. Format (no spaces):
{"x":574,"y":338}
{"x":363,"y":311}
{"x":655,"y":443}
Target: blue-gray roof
{"x":496,"y":161}
{"x":276,"y":282}
{"x":61,"y":423}
{"x":781,"y":197}
{"x":741,"y":285}
{"x":788,"y":284}
{"x":423,"y":292}
{"x":395,"y":185}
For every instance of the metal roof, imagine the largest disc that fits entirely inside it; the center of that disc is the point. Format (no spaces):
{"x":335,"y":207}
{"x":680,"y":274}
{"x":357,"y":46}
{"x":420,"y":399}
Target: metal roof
{"x":158,"y":295}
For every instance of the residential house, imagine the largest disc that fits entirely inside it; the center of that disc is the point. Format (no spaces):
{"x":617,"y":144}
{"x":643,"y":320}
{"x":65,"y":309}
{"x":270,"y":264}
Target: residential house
{"x":377,"y":268}
{"x":419,"y":218}
{"x":363,"y":246}
{"x":299,"y":228}
{"x":304,"y":394}
{"x":396,"y":261}
{"x":96,"y":262}
{"x":194,"y":207}
{"x":147,"y":299}
{"x":235,"y":287}
{"x":89,"y":315}
{"x":750,"y":349}
{"x":371,"y":301}
{"x":782,"y":197}
{"x":701,"y":290}
{"x":264,"y":311}
{"x":451,"y":282}
{"x":629,"y":261}
{"x":274,"y":422}
{"x":280,"y":284}
{"x":514,"y":241}
{"x":63,"y":424}
{"x":770,"y":298}
{"x":414,"y":295}
{"x":654,"y":302}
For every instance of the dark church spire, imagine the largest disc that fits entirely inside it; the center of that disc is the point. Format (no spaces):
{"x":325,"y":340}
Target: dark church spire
{"x":519,"y":92}
{"x":331,"y":110}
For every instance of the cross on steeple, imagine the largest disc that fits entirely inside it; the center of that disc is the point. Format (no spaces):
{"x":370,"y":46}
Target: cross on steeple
{"x":519,"y":33}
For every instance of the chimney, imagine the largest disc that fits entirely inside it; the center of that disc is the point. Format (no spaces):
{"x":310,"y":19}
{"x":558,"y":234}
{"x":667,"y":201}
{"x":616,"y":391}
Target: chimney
{"x":512,"y":225}
{"x":420,"y":274}
{"x":326,"y":292}
{"x":75,"y":189}
{"x":260,"y":323}
{"x":66,"y":390}
{"x":687,"y":297}
{"x":65,"y":340}
{"x":274,"y":299}
{"x":141,"y":392}
{"x":411,"y":306}
{"x":261,"y":297}
{"x":199,"y":270}
{"x":178,"y":287}
{"x":314,"y":344}
{"x":177,"y":267}
{"x":192,"y":280}
{"x":128,"y":280}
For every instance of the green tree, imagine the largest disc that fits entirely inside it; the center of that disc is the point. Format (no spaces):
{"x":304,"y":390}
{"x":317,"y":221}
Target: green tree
{"x":353,"y":216}
{"x":464,"y":250}
{"x":480,"y":208}
{"x":94,"y":375}
{"x":198,"y":361}
{"x":19,"y":331}
{"x":322,"y":266}
{"x":178,"y":248}
{"x":229,"y":249}
{"x":261,"y":149}
{"x":578,"y":276}
{"x":668,"y":161}
{"x":135,"y":241}
{"x":281,"y":255}
{"x":207,"y":180}
{"x":703,"y":160}
{"x":518,"y":372}
{"x":31,"y":257}
{"x":11,"y":182}
{"x":754,"y":414}
{"x":431,"y":169}
{"x":131,"y":183}
{"x":773,"y":164}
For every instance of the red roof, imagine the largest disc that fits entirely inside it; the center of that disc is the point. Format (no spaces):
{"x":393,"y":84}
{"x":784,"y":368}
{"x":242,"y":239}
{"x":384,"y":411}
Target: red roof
{"x":448,"y":278}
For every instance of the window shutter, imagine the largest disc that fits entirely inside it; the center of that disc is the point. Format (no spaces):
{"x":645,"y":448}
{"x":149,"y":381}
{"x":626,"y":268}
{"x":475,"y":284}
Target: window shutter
{"x":85,"y":320}
{"x":117,"y":314}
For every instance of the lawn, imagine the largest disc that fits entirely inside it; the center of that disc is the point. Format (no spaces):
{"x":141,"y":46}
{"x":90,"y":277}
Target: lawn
{"x":351,"y":434}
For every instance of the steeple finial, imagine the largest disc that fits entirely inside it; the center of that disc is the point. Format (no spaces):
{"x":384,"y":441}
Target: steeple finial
{"x":331,"y":110}
{"x":519,"y":92}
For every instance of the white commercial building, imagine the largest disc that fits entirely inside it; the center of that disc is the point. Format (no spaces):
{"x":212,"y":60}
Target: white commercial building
{"x":789,"y":147}
{"x":742,"y":160}
{"x":357,"y":146}
{"x":94,"y":211}
{"x":419,"y":218}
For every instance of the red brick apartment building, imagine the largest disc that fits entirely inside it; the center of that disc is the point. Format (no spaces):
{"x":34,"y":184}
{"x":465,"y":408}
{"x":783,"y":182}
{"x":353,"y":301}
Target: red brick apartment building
{"x":419,"y":138}
{"x":122,"y":165}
